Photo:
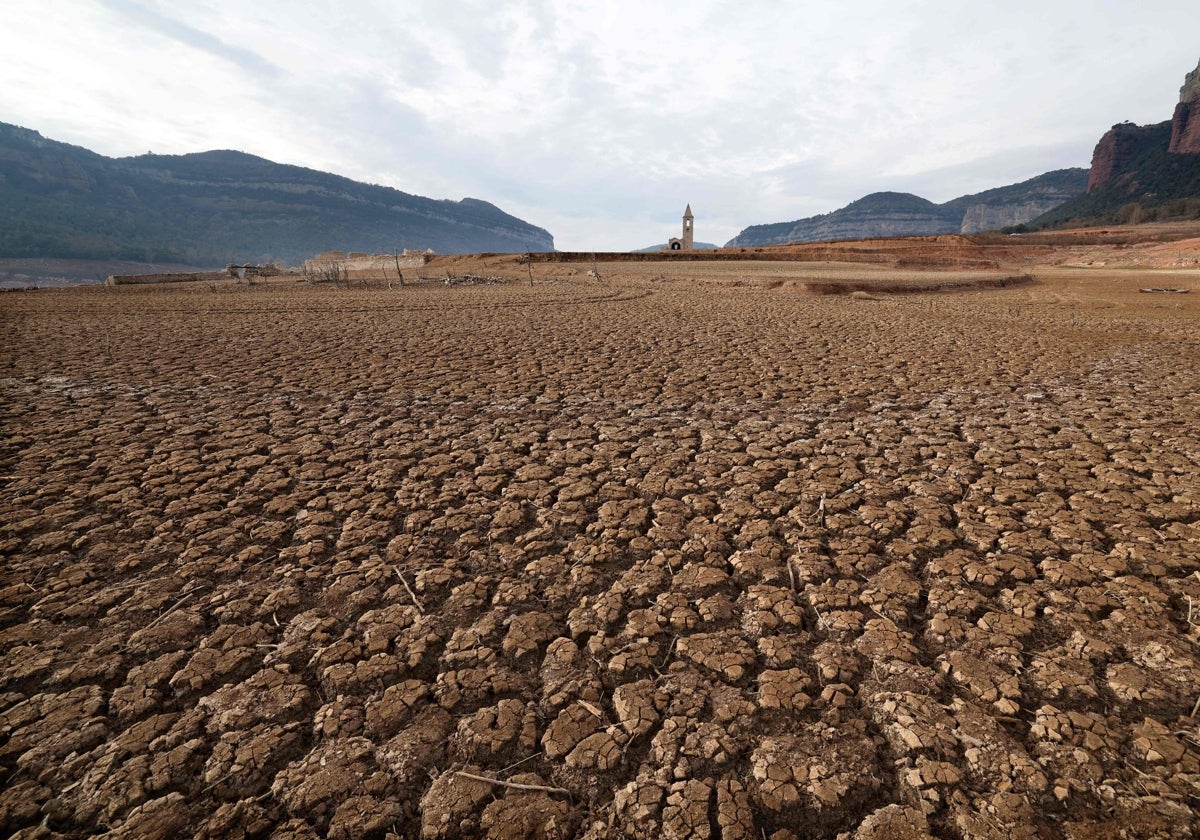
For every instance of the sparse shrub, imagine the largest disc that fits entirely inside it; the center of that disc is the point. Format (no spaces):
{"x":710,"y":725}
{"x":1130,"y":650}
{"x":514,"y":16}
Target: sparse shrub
{"x":327,"y":272}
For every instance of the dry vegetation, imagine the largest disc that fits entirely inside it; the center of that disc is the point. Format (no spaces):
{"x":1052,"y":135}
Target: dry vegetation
{"x":641,"y":557}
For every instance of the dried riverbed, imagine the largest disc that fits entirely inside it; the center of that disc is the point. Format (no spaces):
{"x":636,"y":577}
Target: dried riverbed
{"x":690,"y":562}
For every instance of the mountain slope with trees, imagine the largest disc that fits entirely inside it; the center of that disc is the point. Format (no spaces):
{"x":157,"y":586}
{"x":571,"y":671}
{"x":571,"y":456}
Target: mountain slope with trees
{"x":1141,"y":173}
{"x":1135,"y":178}
{"x":212,"y":208}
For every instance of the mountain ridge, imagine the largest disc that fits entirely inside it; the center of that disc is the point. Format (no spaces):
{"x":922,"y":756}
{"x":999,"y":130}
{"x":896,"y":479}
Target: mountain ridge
{"x":220,"y":206}
{"x":905,"y":214}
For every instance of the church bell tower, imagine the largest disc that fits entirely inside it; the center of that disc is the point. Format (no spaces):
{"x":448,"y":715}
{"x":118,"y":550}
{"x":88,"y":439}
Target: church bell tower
{"x":688,"y":233}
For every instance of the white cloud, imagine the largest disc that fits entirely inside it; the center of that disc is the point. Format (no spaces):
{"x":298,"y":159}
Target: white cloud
{"x":599,"y":122}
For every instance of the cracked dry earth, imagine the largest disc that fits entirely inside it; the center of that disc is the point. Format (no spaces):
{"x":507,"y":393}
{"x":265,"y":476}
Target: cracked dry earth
{"x":693,"y":563}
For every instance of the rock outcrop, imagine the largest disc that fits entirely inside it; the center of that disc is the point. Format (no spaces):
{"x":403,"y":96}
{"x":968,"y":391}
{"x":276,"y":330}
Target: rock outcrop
{"x":981,"y":217}
{"x":1019,"y":203}
{"x":1185,"y":125}
{"x":1134,"y":179}
{"x":1116,"y":149}
{"x":1142,"y":172}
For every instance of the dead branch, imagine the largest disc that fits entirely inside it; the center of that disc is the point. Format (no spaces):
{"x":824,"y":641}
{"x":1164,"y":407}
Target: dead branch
{"x":411,"y":594}
{"x":514,"y":785}
{"x":399,"y":273}
{"x":176,"y":605}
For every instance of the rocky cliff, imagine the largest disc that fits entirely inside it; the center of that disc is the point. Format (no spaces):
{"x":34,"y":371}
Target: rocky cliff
{"x":904,"y":214}
{"x":1018,"y":203}
{"x":1185,"y":125}
{"x":981,"y":217}
{"x":1142,"y":173}
{"x":214,"y":208}
{"x":1116,"y":149}
{"x":1146,"y":183}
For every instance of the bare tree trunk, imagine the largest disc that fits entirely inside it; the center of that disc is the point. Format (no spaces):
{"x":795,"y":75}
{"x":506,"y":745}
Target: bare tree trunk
{"x":399,"y":273}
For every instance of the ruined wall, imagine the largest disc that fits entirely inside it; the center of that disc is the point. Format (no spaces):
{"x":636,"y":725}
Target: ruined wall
{"x":366,"y":266}
{"x":137,"y":279}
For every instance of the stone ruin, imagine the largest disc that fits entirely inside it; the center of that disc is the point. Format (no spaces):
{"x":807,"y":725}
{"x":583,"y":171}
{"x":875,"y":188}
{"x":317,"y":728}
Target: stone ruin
{"x":357,"y":265}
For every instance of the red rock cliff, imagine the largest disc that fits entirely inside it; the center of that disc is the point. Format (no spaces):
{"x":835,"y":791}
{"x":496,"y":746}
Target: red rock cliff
{"x":1185,"y":126}
{"x":1116,"y":148}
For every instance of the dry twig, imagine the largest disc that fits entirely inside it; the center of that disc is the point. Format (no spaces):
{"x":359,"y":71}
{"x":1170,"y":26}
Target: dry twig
{"x":176,"y":605}
{"x":416,"y":601}
{"x":515,"y":785}
{"x":819,"y":516}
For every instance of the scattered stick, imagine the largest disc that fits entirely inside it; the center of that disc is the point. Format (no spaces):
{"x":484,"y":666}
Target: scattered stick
{"x":514,"y":785}
{"x":593,"y":708}
{"x":667,"y":658}
{"x":416,"y":601}
{"x":175,"y":606}
{"x":1195,"y":709}
{"x":871,"y":607}
{"x":522,"y":761}
{"x":819,"y":516}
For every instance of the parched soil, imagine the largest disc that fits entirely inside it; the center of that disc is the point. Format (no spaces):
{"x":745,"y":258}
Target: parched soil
{"x":628,"y":558}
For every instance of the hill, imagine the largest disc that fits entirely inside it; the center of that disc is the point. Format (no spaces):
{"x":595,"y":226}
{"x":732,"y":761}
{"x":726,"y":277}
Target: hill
{"x":212,"y":208}
{"x":905,"y":214}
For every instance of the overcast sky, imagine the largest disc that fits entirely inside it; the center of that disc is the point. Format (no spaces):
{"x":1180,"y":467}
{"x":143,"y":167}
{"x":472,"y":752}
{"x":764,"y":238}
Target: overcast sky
{"x":598,"y":120}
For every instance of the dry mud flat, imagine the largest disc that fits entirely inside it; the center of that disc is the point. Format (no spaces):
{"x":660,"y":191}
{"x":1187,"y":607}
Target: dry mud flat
{"x":664,"y":561}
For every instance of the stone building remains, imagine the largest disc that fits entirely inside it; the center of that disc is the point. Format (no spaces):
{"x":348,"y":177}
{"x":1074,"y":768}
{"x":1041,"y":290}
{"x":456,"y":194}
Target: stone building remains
{"x":357,"y":265}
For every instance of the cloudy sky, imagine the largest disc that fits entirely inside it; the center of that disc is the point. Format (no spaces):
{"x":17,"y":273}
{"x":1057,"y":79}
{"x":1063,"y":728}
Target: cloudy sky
{"x":599,"y":121}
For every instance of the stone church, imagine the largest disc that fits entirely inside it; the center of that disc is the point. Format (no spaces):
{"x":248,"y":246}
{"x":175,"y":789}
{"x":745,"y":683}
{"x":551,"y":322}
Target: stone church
{"x":683,"y":243}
